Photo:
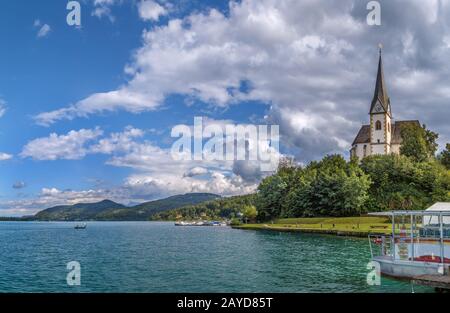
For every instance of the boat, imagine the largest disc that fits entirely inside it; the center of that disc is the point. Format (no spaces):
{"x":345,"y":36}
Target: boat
{"x":220,"y":224}
{"x":201,"y":223}
{"x":182,"y":223}
{"x":81,"y":226}
{"x":419,"y":243}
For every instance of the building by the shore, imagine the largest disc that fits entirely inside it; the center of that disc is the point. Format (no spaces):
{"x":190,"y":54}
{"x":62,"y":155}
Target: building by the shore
{"x":382,"y":135}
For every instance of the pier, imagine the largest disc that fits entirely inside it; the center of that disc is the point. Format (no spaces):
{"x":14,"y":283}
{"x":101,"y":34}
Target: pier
{"x":439,"y":282}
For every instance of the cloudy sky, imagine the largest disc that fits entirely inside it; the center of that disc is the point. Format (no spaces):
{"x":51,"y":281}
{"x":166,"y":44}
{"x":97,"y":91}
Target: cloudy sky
{"x":86,"y":112}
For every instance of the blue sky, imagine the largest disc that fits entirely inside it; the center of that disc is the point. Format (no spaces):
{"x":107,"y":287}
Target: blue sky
{"x":86,"y":113}
{"x":45,"y":73}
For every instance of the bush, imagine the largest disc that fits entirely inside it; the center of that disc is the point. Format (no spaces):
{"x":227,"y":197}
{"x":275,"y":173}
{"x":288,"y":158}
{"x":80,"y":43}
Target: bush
{"x":331,"y":187}
{"x":400,"y":183}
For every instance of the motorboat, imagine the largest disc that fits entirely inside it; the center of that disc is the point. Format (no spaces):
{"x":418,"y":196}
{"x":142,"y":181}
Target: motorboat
{"x":81,"y":226}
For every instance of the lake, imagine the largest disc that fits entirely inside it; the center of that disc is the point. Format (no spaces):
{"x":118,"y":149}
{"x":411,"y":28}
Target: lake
{"x":159,"y":257}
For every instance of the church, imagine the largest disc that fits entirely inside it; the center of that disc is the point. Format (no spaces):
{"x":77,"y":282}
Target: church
{"x":382,"y":135}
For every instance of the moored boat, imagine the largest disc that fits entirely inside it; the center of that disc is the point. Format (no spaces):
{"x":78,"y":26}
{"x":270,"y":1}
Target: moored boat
{"x":419,"y":243}
{"x":81,"y":226}
{"x":201,"y":223}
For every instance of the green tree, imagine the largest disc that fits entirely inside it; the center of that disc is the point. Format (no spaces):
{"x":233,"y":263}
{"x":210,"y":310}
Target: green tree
{"x":418,"y":142}
{"x":338,"y":189}
{"x":398,"y":182}
{"x":270,"y":196}
{"x":223,"y":208}
{"x":444,"y":157}
{"x":250,"y":213}
{"x":330,"y":187}
{"x":431,"y":140}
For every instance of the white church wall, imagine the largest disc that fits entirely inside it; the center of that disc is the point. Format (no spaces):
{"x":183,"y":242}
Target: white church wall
{"x":378,"y":149}
{"x":388,"y":122}
{"x":359,"y":150}
{"x":377,"y":135}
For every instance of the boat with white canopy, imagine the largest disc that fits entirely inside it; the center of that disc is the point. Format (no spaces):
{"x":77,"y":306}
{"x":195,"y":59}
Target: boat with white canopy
{"x":419,"y":243}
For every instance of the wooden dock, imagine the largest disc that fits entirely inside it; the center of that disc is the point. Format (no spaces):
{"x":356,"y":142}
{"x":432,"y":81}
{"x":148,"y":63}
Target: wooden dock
{"x":439,"y":282}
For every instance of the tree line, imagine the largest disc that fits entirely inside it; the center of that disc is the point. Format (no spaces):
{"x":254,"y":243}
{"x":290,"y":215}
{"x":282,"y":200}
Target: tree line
{"x":413,"y":180}
{"x":334,"y":187}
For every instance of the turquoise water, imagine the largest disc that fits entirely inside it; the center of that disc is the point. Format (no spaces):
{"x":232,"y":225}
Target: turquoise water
{"x":159,"y":257}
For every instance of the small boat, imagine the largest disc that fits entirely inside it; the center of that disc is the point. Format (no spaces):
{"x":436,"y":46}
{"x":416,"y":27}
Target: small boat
{"x":81,"y":226}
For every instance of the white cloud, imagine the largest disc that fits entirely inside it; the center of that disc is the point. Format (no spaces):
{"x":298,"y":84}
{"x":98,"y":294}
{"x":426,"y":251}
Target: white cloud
{"x":69,"y":147}
{"x":118,"y":142}
{"x":208,"y":55}
{"x":110,"y":101}
{"x":2,"y":107}
{"x":316,"y":67}
{"x":160,"y":185}
{"x":54,"y":196}
{"x":5,"y":156}
{"x":150,"y":10}
{"x":155,"y":174}
{"x":102,"y":8}
{"x":49,"y":197}
{"x":44,"y":30}
{"x":103,"y":11}
{"x":137,"y":188}
{"x":196,"y":171}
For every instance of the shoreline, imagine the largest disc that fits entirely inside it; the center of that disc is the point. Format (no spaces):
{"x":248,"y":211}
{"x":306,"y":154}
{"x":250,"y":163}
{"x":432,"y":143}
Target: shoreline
{"x":333,"y":232}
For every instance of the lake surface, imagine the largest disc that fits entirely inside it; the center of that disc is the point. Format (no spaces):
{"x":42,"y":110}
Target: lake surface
{"x":159,"y":257}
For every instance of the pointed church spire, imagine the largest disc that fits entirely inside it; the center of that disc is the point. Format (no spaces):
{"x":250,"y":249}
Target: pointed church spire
{"x":380,"y":95}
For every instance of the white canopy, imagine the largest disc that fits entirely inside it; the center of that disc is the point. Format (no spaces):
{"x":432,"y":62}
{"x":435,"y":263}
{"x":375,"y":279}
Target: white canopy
{"x":437,"y":207}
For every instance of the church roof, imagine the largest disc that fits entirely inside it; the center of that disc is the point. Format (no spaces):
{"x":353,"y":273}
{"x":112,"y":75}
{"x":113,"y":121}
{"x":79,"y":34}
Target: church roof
{"x":380,"y":94}
{"x":363,"y":135}
{"x":396,"y":130}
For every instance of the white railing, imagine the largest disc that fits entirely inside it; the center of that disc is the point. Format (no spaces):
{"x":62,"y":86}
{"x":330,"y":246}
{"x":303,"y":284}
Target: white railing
{"x":380,"y":245}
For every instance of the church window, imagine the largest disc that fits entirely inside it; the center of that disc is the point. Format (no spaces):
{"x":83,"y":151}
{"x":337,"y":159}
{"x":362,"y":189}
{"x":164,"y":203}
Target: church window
{"x":378,"y":125}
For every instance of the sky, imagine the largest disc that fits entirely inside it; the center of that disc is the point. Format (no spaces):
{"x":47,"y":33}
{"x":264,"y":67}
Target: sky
{"x":86,"y":112}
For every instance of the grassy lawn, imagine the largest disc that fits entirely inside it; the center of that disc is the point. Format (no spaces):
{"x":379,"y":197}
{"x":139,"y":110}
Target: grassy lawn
{"x":346,"y":225}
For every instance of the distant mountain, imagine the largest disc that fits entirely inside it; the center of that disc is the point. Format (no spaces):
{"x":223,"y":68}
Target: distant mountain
{"x":110,"y":211}
{"x":145,"y":211}
{"x":77,"y":212}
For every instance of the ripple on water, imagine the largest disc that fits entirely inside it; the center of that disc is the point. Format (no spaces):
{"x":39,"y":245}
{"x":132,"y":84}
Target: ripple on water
{"x":159,"y":257}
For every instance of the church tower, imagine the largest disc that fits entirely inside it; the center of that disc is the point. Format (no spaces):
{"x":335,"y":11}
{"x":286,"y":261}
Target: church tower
{"x":382,"y":135}
{"x":380,"y":116}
